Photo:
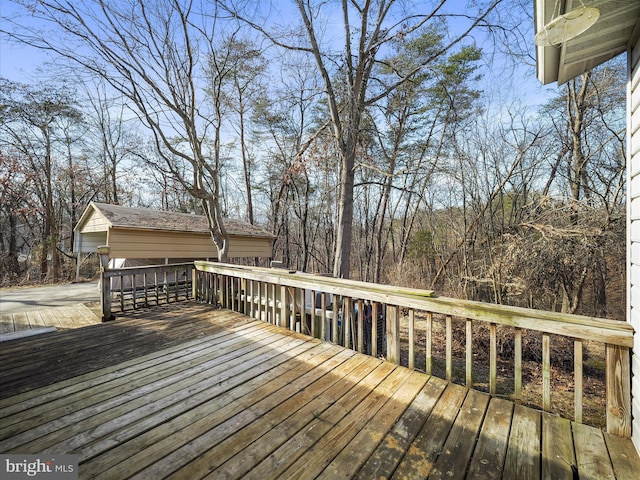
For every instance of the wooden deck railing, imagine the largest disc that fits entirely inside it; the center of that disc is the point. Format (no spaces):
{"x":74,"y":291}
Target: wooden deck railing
{"x":367,"y":317}
{"x":131,"y":288}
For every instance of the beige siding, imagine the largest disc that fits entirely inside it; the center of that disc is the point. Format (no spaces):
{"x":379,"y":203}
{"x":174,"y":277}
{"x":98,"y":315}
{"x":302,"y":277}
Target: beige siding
{"x":95,"y":223}
{"x":250,"y":247}
{"x":129,"y":243}
{"x":634,"y":231}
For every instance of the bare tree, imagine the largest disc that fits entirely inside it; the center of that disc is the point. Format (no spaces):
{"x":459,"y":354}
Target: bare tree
{"x":153,"y":55}
{"x":346,"y":62}
{"x":29,"y":121}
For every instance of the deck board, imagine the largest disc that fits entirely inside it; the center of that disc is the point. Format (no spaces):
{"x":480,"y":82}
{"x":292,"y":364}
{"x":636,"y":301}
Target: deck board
{"x":491,"y":449}
{"x":62,"y":318}
{"x":188,"y":391}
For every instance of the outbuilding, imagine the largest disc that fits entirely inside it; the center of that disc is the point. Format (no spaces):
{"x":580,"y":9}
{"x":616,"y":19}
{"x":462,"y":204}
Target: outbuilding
{"x":145,"y":236}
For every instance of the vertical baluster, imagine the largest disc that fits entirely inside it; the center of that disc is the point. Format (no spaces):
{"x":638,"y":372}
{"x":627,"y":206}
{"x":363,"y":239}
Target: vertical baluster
{"x":155,"y":282}
{"x":284,"y":307}
{"x":223,"y":291}
{"x":293,"y":310}
{"x":274,"y":304}
{"x":493,"y":359}
{"x":577,"y":379}
{"x":244,"y":301}
{"x":236,"y":297}
{"x":146,"y":296}
{"x":374,"y":329}
{"x":429,"y":343}
{"x":121,"y":277}
{"x":177,"y":284}
{"x":448,"y":347}
{"x":411,"y":339}
{"x":133,"y":290}
{"x":205,"y":280}
{"x":216,"y":290}
{"x":360,"y":325}
{"x":235,"y":287}
{"x":517,"y":367}
{"x":314,"y":326}
{"x":196,"y":280}
{"x":166,"y":286}
{"x":335,"y":337}
{"x":255,"y":299}
{"x":213,"y":289}
{"x":346,"y":321}
{"x":469,"y":353}
{"x":303,"y":311}
{"x":323,"y":316}
{"x":546,"y":372}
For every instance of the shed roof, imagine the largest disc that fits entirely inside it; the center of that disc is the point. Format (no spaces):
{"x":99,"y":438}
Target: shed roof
{"x":614,"y":32}
{"x":149,"y":219}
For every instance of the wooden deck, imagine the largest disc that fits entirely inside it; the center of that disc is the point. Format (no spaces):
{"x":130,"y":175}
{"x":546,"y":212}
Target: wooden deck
{"x":186,"y":391}
{"x":60,"y":318}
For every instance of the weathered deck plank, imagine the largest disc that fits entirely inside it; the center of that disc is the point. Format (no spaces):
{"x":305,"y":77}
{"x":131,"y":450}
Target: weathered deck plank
{"x":187,"y":391}
{"x":558,"y":456}
{"x":592,"y":456}
{"x":523,"y":452}
{"x":491,"y":449}
{"x":424,"y":451}
{"x":624,"y":458}
{"x":391,"y":450}
{"x":62,"y":318}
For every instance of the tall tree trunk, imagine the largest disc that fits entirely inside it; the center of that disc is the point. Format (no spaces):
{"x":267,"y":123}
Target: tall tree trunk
{"x":344,"y":232}
{"x":246,"y":165}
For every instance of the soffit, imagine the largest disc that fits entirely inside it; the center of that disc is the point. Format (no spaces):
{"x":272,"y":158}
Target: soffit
{"x":613,"y":33}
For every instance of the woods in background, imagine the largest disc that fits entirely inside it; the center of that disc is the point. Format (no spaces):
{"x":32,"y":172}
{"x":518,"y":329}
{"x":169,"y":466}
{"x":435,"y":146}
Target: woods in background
{"x":449,"y":189}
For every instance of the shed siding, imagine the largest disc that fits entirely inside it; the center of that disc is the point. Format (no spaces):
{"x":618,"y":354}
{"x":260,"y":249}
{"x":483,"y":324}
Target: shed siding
{"x":633,"y":230}
{"x":95,"y":223}
{"x":89,"y":242}
{"x":129,"y":243}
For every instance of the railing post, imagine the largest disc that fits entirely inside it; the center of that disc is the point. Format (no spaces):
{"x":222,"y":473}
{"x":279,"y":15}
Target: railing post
{"x":393,"y":334}
{"x":105,"y":283}
{"x":618,"y":379}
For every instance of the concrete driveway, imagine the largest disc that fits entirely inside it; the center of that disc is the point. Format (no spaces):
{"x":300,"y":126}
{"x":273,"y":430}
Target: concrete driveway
{"x":13,"y":300}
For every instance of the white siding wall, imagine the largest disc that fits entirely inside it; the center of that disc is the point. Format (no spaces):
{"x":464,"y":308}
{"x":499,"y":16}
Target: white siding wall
{"x":633,"y":231}
{"x":89,"y":242}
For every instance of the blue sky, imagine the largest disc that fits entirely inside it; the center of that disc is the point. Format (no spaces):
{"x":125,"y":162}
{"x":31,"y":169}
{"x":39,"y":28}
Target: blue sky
{"x":29,"y":65}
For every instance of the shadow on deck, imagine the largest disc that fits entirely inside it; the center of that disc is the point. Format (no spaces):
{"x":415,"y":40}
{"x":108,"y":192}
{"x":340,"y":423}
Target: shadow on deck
{"x":188,"y":391}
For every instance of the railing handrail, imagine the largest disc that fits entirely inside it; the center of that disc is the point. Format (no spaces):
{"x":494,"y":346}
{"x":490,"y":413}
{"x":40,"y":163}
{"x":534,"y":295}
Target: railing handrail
{"x":122,"y":271}
{"x":612,"y":332}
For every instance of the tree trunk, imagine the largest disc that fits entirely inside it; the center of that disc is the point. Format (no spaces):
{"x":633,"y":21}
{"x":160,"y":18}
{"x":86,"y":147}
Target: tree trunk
{"x":344,"y":232}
